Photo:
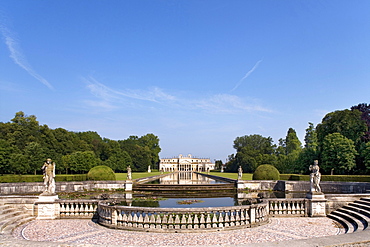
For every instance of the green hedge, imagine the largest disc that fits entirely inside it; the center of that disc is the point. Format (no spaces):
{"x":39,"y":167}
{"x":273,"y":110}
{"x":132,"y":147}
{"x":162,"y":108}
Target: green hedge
{"x":38,"y":178}
{"x":338,"y":178}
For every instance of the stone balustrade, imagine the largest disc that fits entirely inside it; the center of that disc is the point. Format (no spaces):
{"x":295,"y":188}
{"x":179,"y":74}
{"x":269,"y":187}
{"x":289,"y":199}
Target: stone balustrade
{"x":77,"y":208}
{"x":182,"y":219}
{"x":287,"y":207}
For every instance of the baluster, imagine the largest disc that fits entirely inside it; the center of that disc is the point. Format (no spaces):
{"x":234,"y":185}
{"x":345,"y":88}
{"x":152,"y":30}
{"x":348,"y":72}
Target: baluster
{"x":201,"y":221}
{"x":232,"y":218}
{"x":170,"y":221}
{"x":189,"y":222}
{"x":214,"y":221}
{"x":183,"y":221}
{"x":177,"y":222}
{"x":124,"y":219}
{"x":294,"y":209}
{"x":62,"y":209}
{"x":196,"y":222}
{"x":208,"y":220}
{"x":138,"y":221}
{"x":237,"y":218}
{"x":152,"y":221}
{"x":129,"y":220}
{"x":68,"y":210}
{"x":165,"y":221}
{"x":227,"y":219}
{"x":158,"y":222}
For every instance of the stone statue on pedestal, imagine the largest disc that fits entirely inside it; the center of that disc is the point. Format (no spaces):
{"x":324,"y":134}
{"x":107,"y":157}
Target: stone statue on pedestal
{"x":49,"y":174}
{"x":315,"y":177}
{"x":129,"y":174}
{"x":240,"y":172}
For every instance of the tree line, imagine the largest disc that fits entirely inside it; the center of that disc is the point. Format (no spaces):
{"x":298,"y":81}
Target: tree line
{"x":341,"y":143}
{"x":25,"y":145}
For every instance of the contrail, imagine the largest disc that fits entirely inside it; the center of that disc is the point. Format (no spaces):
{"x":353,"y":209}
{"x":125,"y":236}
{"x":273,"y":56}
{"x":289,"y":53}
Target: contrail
{"x":18,"y":58}
{"x":246,"y":75}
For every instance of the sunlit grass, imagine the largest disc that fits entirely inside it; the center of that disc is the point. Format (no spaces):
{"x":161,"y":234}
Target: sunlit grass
{"x":232,"y":175}
{"x":136,"y":175}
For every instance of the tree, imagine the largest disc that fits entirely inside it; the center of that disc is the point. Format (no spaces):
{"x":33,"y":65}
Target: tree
{"x":81,"y":162}
{"x":152,"y":142}
{"x":365,"y":116}
{"x":366,"y":154}
{"x":18,"y":163}
{"x":292,"y":142}
{"x":35,"y":155}
{"x":346,"y":122}
{"x":252,"y":151}
{"x":338,"y":153}
{"x":6,"y":149}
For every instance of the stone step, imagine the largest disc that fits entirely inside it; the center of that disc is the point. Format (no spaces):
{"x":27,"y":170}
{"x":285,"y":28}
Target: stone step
{"x":8,"y":229}
{"x":10,"y":218}
{"x":348,"y":228}
{"x":353,"y":223}
{"x":9,"y":214}
{"x":12,"y":221}
{"x":364,"y":213}
{"x":360,"y":205}
{"x":364,"y":202}
{"x":365,"y":199}
{"x":361,"y":221}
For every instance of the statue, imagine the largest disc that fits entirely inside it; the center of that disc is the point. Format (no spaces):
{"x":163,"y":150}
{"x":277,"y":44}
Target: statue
{"x":48,"y":175}
{"x":129,"y":175}
{"x":149,"y":170}
{"x":240,"y":172}
{"x":315,"y":177}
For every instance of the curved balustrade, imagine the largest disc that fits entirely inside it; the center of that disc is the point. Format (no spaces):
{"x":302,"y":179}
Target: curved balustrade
{"x":287,"y":207}
{"x":182,"y":219}
{"x":77,"y":208}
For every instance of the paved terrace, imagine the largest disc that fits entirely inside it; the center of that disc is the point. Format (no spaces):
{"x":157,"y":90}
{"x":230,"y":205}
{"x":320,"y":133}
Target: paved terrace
{"x":307,"y":231}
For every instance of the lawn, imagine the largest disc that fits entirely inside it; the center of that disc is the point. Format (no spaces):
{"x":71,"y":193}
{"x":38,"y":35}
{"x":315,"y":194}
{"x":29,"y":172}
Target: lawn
{"x":136,"y":175}
{"x":246,"y":176}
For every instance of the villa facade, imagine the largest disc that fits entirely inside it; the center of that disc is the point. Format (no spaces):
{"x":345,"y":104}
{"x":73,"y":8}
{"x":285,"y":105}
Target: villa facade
{"x":186,"y":163}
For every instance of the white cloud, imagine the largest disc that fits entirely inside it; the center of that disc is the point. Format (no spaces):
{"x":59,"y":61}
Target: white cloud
{"x":109,"y":99}
{"x":17,"y":56}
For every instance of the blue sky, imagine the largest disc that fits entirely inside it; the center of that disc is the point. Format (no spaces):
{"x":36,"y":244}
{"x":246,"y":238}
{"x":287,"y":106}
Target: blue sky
{"x":197,"y":74}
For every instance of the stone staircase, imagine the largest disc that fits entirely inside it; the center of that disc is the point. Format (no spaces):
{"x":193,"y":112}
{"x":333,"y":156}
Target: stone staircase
{"x":10,"y":218}
{"x":353,"y":217}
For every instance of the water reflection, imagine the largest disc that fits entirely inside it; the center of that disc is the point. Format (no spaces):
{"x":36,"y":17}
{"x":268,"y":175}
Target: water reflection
{"x":186,"y":178}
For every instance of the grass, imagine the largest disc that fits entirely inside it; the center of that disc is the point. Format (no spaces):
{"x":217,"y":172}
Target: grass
{"x":136,"y":175}
{"x":232,"y":175}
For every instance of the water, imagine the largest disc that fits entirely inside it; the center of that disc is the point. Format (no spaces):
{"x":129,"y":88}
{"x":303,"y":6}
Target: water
{"x":186,"y":178}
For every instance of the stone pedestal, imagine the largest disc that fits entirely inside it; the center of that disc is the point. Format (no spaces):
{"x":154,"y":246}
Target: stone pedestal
{"x":240,"y":185}
{"x":316,"y":204}
{"x":128,"y":185}
{"x":46,"y":207}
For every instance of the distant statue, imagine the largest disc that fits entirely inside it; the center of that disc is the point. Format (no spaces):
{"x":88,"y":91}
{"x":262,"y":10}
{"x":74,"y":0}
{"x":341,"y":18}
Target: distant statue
{"x":48,"y":175}
{"x":149,"y":171}
{"x":129,"y":174}
{"x":240,"y":172}
{"x":222,"y":168}
{"x":315,"y":177}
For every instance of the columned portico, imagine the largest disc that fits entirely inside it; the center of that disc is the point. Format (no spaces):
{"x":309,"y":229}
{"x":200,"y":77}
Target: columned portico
{"x":186,"y":163}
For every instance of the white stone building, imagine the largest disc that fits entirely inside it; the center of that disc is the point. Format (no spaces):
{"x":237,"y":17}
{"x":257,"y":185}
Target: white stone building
{"x":186,"y":163}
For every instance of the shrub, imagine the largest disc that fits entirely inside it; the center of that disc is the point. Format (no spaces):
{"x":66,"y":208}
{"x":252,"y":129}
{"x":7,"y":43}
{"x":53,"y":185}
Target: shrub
{"x":99,"y":173}
{"x":266,"y":172}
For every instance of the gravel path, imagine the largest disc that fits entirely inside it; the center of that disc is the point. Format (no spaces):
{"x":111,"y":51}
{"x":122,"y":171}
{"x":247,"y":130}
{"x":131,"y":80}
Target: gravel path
{"x":88,"y":232}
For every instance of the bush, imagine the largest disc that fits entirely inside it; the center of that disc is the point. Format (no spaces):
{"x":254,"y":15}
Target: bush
{"x":266,"y":172}
{"x":99,"y":173}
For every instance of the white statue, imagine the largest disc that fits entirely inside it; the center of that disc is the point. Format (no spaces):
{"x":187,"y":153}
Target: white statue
{"x":315,"y":177}
{"x":49,"y":174}
{"x":240,"y":172}
{"x":129,"y":174}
